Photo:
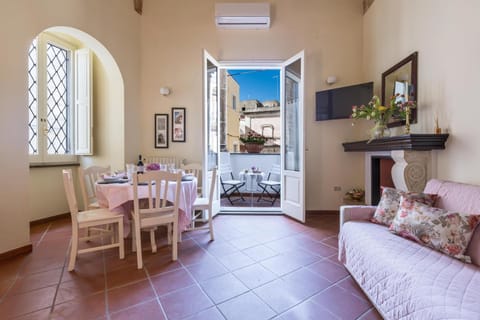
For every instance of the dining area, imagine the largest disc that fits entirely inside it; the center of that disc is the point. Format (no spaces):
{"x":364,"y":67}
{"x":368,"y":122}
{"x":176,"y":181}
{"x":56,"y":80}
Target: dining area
{"x":120,"y":206}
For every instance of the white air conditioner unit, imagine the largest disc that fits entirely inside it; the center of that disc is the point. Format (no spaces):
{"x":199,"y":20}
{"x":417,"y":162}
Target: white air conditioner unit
{"x":242,"y":15}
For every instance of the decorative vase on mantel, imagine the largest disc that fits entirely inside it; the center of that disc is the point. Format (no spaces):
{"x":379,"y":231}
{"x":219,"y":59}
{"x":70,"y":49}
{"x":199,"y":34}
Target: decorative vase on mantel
{"x":380,"y":130}
{"x":253,"y":147}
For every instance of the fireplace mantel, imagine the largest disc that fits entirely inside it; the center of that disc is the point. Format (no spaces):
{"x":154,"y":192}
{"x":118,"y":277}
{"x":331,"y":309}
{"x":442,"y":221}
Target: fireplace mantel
{"x":411,"y":153}
{"x":415,"y":142}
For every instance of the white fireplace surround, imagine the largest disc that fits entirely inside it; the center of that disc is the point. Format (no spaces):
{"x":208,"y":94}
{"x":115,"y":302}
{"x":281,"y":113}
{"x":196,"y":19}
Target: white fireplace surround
{"x":411,"y":170}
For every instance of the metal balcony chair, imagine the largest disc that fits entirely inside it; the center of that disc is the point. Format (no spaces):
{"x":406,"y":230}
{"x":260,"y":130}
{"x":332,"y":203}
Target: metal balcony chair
{"x":270,"y":187}
{"x":229,"y":184}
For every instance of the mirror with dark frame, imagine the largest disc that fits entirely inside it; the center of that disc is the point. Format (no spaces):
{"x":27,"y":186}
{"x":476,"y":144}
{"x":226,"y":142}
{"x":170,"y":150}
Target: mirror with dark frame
{"x":401,"y":78}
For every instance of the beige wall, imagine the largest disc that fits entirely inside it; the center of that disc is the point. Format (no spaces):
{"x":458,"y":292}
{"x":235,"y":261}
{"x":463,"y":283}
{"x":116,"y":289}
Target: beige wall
{"x":174,"y":33}
{"x":113,"y":23}
{"x":446,"y":36}
{"x":233,"y":116}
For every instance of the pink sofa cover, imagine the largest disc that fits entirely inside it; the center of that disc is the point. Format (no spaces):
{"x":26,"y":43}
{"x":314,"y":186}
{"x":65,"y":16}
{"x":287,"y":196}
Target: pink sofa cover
{"x":404,"y":279}
{"x":461,"y":197}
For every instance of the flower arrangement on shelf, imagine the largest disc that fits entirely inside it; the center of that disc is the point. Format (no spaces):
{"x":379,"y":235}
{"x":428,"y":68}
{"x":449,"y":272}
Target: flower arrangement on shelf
{"x":397,"y":108}
{"x":253,"y":137}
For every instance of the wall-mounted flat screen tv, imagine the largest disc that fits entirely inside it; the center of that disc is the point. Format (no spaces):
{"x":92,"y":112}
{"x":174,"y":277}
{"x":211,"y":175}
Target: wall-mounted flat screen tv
{"x":337,"y":103}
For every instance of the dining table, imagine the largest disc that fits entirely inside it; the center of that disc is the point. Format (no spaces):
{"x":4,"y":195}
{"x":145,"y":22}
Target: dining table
{"x":117,"y":196}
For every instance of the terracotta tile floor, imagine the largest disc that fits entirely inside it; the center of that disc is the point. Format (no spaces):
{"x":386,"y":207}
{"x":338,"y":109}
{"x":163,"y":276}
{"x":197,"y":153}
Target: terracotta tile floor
{"x":258,"y":267}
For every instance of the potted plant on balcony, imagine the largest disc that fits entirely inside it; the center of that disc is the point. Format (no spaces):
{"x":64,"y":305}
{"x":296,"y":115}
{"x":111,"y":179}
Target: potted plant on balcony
{"x":253,"y":142}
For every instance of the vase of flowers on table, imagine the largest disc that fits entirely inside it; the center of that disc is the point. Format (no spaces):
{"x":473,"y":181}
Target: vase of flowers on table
{"x":397,"y":108}
{"x":253,"y":142}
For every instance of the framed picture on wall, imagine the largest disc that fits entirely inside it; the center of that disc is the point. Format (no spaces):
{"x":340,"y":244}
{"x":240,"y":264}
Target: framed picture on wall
{"x":178,"y":124}
{"x":161,"y":130}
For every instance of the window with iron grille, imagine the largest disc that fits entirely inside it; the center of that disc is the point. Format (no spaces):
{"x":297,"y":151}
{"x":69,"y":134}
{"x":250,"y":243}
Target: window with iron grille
{"x":51,"y":100}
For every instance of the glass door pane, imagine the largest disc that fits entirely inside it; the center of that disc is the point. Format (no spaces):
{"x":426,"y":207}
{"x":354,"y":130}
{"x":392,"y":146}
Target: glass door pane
{"x":212,"y":115}
{"x":292,"y":127}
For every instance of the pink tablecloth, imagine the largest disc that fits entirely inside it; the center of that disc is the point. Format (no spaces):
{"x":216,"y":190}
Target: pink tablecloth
{"x":118,"y":197}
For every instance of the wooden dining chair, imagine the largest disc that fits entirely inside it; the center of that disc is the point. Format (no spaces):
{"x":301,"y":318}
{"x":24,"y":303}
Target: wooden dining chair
{"x":88,"y":177}
{"x":204,"y":204}
{"x":154,"y":209}
{"x":161,"y":160}
{"x":88,"y":219}
{"x":194,"y":169}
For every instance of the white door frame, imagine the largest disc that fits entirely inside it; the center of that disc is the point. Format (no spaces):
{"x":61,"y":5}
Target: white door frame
{"x":293,"y":180}
{"x":294,"y":209}
{"x":206,"y":128}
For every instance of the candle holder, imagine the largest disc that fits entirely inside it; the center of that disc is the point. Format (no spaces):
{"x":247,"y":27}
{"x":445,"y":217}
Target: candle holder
{"x":407,"y":120}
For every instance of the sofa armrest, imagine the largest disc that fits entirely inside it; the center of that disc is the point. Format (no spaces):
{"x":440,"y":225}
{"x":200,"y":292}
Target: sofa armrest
{"x":348,"y":213}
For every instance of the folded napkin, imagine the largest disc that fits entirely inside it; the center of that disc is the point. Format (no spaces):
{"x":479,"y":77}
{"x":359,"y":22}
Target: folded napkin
{"x":117,"y":176}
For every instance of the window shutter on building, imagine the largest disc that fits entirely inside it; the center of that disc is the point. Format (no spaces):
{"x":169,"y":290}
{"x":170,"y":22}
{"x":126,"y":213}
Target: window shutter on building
{"x":83,"y":102}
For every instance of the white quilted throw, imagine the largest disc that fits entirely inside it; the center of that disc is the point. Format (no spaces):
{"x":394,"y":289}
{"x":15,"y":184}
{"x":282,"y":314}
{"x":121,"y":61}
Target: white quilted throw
{"x":406,"y":280}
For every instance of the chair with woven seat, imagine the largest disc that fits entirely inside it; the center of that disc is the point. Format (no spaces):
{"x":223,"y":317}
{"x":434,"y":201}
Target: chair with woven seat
{"x":152,"y":209}
{"x":202,"y":205}
{"x":230,"y":185}
{"x":271,"y":187}
{"x":88,"y":177}
{"x":88,"y":219}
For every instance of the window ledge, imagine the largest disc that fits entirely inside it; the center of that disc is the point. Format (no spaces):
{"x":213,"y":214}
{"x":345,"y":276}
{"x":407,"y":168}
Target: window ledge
{"x":54,"y":164}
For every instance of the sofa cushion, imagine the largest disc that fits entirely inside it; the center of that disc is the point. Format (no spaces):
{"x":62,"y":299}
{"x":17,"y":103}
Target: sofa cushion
{"x":390,"y":201}
{"x":446,"y":231}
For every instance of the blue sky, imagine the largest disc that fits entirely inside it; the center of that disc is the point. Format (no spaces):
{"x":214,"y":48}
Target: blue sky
{"x":257,"y":84}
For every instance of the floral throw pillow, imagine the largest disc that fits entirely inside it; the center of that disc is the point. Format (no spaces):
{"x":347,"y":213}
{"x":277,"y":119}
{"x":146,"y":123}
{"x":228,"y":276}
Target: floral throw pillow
{"x":390,"y":202}
{"x":440,"y":229}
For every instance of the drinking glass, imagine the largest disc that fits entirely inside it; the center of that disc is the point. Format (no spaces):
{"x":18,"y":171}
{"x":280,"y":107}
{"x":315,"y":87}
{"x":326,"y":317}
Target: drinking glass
{"x":130,"y":170}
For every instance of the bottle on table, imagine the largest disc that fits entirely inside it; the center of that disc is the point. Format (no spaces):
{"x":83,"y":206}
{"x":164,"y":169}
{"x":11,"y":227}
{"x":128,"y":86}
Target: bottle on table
{"x":140,"y":167}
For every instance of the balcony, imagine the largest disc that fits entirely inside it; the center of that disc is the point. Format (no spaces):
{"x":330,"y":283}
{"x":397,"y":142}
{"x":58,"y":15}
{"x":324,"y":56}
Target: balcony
{"x":251,"y":191}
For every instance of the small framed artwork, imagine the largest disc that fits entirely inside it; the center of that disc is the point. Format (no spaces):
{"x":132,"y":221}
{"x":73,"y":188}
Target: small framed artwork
{"x":178,"y":124}
{"x":161,"y":130}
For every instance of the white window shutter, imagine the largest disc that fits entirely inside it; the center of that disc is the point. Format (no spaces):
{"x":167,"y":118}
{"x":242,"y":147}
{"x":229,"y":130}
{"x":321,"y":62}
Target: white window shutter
{"x":83,"y":102}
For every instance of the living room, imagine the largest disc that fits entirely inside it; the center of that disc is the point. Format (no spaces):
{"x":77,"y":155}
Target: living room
{"x":163,"y":47}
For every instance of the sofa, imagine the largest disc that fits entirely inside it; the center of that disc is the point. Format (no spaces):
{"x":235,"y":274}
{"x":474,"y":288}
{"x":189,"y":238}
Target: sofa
{"x":405,"y":279}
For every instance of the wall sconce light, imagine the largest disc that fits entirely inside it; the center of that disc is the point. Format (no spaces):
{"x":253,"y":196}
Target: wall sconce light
{"x":331,"y":79}
{"x":164,"y":91}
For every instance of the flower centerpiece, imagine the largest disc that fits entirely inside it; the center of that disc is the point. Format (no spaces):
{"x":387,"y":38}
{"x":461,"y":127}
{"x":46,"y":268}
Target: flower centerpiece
{"x":253,"y":142}
{"x":398,"y":108}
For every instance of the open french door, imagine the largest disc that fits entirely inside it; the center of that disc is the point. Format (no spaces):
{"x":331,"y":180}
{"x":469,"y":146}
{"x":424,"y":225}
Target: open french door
{"x":211,"y":126}
{"x":293,"y":163}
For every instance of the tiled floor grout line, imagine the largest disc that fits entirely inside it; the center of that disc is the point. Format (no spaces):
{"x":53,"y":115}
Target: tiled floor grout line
{"x":363,"y":314}
{"x":310,"y":298}
{"x":52,"y":307}
{"x":278,"y":277}
{"x":157,"y":297}
{"x":107,"y":306}
{"x":198,"y":283}
{"x":17,"y":275}
{"x":43,"y":235}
